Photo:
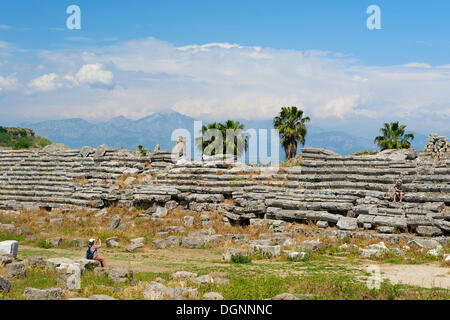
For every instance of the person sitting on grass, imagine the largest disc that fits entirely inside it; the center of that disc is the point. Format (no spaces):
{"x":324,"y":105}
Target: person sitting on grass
{"x":398,"y":191}
{"x":92,"y":252}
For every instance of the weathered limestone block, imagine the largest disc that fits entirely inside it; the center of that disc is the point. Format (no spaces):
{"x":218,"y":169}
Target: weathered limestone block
{"x":390,"y":221}
{"x":120,"y":275}
{"x":205,"y":279}
{"x":114,"y":222}
{"x":9,"y":247}
{"x":428,"y":231}
{"x":53,"y":263}
{"x":5,"y":285}
{"x":6,"y":259}
{"x":69,"y":276}
{"x":183,"y":275}
{"x":133,"y":247}
{"x":46,"y":294}
{"x":312,"y":245}
{"x":157,"y":291}
{"x":16,"y":270}
{"x":54,"y":242}
{"x":347,"y":223}
{"x":112,"y":242}
{"x":87,"y":264}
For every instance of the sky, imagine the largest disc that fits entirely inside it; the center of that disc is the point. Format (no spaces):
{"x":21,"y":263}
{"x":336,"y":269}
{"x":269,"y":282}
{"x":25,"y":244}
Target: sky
{"x":217,"y":60}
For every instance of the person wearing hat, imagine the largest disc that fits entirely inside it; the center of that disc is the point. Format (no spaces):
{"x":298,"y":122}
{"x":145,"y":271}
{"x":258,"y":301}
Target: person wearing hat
{"x":93,"y":248}
{"x":398,"y":191}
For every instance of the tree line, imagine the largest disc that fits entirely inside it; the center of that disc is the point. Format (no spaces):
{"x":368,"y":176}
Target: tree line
{"x":291,"y":123}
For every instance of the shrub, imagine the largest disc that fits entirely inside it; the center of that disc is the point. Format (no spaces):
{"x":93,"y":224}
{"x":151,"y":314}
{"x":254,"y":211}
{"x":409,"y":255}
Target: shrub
{"x":239,"y":258}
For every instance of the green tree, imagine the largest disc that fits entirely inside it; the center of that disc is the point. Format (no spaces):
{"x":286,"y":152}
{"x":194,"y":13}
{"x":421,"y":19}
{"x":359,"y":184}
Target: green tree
{"x":291,"y":125}
{"x":234,"y":143}
{"x":393,"y":137}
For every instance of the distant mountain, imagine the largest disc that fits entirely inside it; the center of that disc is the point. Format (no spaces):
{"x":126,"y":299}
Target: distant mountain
{"x":157,"y":128}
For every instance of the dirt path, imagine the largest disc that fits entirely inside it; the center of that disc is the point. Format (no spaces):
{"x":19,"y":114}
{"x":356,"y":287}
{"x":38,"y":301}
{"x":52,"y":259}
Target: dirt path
{"x":422,"y":275}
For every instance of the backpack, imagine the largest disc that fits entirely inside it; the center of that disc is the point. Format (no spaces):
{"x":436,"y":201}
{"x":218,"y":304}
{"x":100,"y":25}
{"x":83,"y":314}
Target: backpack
{"x":89,"y":254}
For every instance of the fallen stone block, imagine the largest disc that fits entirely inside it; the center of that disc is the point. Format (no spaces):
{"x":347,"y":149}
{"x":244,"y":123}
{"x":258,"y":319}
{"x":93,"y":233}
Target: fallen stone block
{"x":5,"y":285}
{"x":54,"y":242}
{"x":120,"y":275}
{"x":114,"y":222}
{"x":188,"y":221}
{"x":312,"y":245}
{"x":53,"y":263}
{"x":35,"y":262}
{"x":183,"y":275}
{"x":212,"y":296}
{"x":134,"y":247}
{"x":87,"y":264}
{"x":205,"y":279}
{"x":6,"y":259}
{"x":69,"y":276}
{"x":9,"y":247}
{"x":138,"y":240}
{"x":16,"y":270}
{"x":112,"y":242}
{"x":157,"y":291}
{"x":45,"y":294}
{"x":188,"y":293}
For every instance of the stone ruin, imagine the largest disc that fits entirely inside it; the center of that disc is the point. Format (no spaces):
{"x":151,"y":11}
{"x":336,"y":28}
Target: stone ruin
{"x":437,"y":148}
{"x":349,"y":193}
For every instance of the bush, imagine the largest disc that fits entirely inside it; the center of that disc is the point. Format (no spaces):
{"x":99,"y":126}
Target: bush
{"x":23,"y":143}
{"x":239,"y":258}
{"x":44,"y":244}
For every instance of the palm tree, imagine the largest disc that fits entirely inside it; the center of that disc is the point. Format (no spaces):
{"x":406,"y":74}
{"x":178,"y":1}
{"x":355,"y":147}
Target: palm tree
{"x":238,"y":141}
{"x":237,"y":144}
{"x":393,"y":137}
{"x":292,"y":127}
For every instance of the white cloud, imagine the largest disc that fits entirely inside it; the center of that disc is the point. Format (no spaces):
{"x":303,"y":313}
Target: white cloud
{"x":222,"y":80}
{"x":93,"y":74}
{"x":46,"y":82}
{"x":8,"y":83}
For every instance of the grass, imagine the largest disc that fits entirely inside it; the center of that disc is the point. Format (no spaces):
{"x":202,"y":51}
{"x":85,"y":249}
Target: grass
{"x":320,"y":283}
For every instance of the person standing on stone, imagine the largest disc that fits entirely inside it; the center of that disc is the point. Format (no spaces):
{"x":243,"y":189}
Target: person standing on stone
{"x":93,"y":247}
{"x":398,"y":191}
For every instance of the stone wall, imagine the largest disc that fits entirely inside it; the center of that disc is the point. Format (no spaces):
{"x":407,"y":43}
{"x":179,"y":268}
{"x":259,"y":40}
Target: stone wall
{"x":346,"y":192}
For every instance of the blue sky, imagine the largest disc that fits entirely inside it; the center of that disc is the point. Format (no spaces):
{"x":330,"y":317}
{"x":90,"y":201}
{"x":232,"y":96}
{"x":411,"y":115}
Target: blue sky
{"x":216,"y":59}
{"x":411,"y":30}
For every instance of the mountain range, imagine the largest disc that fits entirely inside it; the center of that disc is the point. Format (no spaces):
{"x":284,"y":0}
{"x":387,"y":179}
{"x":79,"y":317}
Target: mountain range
{"x":157,"y":128}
